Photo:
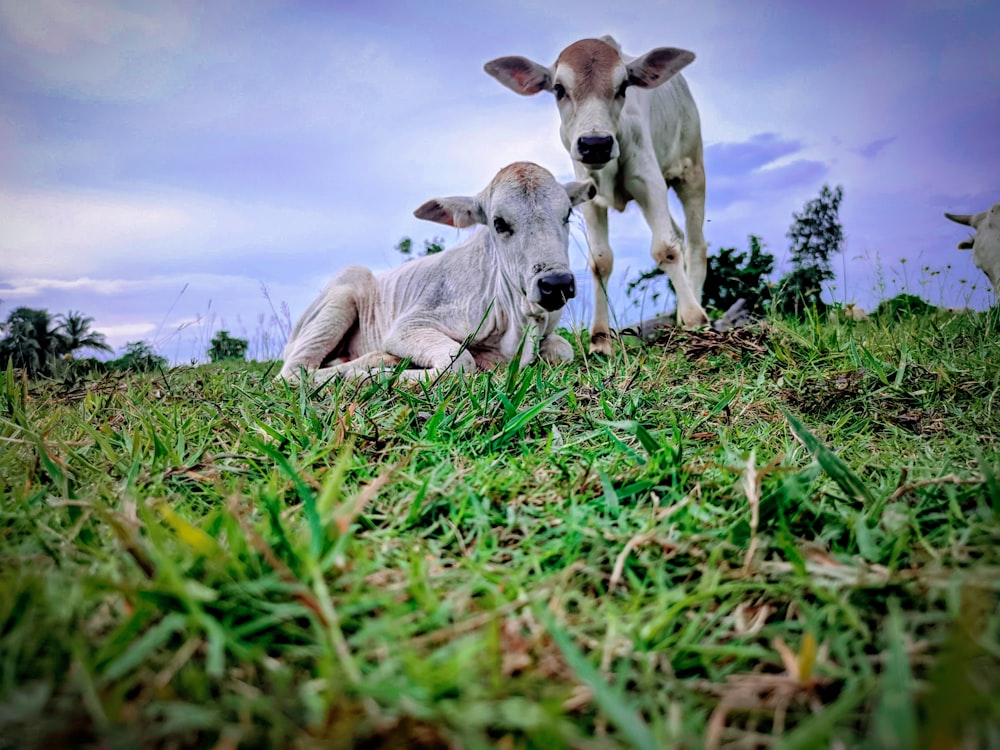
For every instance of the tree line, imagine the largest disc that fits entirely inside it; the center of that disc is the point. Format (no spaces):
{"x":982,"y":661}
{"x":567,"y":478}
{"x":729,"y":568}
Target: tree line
{"x":44,"y":345}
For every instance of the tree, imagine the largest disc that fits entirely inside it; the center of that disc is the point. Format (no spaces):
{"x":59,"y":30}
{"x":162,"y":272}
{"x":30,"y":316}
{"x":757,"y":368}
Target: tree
{"x":20,"y":347}
{"x":431,"y":247}
{"x":139,"y":356}
{"x":30,"y":341}
{"x":816,"y":236}
{"x":225,"y":347}
{"x":731,"y":276}
{"x":75,"y":333}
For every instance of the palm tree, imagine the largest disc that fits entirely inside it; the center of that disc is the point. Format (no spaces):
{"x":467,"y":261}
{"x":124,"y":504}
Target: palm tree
{"x":30,"y":341}
{"x":75,"y":333}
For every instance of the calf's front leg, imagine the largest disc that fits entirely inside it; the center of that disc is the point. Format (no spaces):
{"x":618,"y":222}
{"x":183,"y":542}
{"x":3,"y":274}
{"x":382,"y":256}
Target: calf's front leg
{"x":427,"y":348}
{"x":602,"y":261}
{"x":553,"y":348}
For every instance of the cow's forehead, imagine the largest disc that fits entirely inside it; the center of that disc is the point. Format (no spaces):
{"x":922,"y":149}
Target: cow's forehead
{"x":521,"y":174}
{"x":525,"y":183}
{"x":592,"y":62}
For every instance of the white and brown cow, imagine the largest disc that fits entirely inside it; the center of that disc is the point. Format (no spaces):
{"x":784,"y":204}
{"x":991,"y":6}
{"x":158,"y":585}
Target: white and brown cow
{"x":472,"y":306}
{"x":631,"y":125}
{"x":985,"y":245}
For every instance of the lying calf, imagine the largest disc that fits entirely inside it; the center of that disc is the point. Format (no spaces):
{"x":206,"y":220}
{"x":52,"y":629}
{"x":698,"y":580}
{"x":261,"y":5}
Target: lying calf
{"x":453,"y":311}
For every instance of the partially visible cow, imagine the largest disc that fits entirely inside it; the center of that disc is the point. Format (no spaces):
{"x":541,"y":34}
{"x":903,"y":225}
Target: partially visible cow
{"x":985,"y":245}
{"x":474,"y":305}
{"x":631,"y":125}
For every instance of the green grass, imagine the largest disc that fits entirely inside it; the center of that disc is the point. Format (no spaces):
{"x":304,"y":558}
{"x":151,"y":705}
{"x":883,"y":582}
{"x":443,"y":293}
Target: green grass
{"x":783,"y":537}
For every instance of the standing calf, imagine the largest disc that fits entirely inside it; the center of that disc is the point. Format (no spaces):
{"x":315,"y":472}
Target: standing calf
{"x":631,"y":125}
{"x":473,"y":305}
{"x":985,"y":245}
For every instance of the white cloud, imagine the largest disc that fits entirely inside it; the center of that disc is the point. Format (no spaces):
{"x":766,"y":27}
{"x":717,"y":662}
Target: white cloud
{"x":23,"y":288}
{"x":72,"y":234}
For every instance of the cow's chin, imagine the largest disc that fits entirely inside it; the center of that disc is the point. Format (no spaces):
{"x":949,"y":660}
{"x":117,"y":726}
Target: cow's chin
{"x":593,"y":166}
{"x":535,"y":309}
{"x":551,"y":306}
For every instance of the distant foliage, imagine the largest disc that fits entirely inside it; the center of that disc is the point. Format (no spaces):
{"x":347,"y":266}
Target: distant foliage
{"x":431,"y":247}
{"x":139,"y":356}
{"x":901,"y":306}
{"x":731,"y":276}
{"x":225,"y":347}
{"x":36,"y":342}
{"x":31,"y":341}
{"x":816,"y":235}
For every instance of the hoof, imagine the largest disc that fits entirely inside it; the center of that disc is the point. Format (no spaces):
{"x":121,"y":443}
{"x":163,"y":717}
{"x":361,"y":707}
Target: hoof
{"x":692,"y":318}
{"x":600,"y":343}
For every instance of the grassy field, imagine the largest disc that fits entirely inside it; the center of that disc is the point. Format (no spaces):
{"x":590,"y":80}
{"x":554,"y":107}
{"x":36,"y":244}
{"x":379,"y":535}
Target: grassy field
{"x":787,"y":536}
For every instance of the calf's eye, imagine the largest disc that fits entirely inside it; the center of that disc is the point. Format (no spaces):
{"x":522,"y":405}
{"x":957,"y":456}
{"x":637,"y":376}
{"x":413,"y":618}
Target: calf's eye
{"x":560,"y":91}
{"x":502,"y":226}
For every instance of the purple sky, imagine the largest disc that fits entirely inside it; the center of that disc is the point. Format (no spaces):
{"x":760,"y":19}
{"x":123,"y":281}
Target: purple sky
{"x":162,"y":162}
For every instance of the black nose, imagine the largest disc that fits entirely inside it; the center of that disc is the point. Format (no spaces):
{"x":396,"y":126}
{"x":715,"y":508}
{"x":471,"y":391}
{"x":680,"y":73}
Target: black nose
{"x":555,"y":289}
{"x":595,"y":149}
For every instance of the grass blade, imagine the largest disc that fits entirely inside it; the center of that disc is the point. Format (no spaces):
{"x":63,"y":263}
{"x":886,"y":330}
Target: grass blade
{"x":895,"y":719}
{"x":611,"y":700}
{"x":838,"y":471}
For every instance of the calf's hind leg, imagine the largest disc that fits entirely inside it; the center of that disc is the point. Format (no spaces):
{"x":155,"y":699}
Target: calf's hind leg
{"x":691,"y":191}
{"x":325,"y":323}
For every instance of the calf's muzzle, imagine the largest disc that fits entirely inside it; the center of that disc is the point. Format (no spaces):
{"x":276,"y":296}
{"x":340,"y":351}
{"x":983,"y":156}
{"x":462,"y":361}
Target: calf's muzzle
{"x":555,"y":289}
{"x":595,"y":149}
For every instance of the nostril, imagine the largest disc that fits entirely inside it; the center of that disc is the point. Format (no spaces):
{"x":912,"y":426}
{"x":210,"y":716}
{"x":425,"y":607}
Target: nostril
{"x":554,"y":289}
{"x":595,"y":142}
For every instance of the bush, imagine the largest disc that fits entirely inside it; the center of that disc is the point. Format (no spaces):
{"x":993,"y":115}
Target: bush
{"x":901,"y":306}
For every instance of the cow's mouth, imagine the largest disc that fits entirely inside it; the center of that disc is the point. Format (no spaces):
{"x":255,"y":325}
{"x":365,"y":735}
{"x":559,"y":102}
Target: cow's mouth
{"x":593,"y":160}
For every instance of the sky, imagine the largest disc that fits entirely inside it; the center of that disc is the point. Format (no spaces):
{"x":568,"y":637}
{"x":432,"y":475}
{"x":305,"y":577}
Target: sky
{"x":176,"y":168}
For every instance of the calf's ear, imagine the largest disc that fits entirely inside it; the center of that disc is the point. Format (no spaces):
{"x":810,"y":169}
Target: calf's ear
{"x":580,"y":192}
{"x":658,"y":66}
{"x":966,"y":244}
{"x":520,"y":74}
{"x":969,"y":220}
{"x":455,"y":211}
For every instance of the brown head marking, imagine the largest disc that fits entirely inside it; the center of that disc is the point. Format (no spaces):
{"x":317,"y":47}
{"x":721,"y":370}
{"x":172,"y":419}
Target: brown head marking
{"x":592,"y":62}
